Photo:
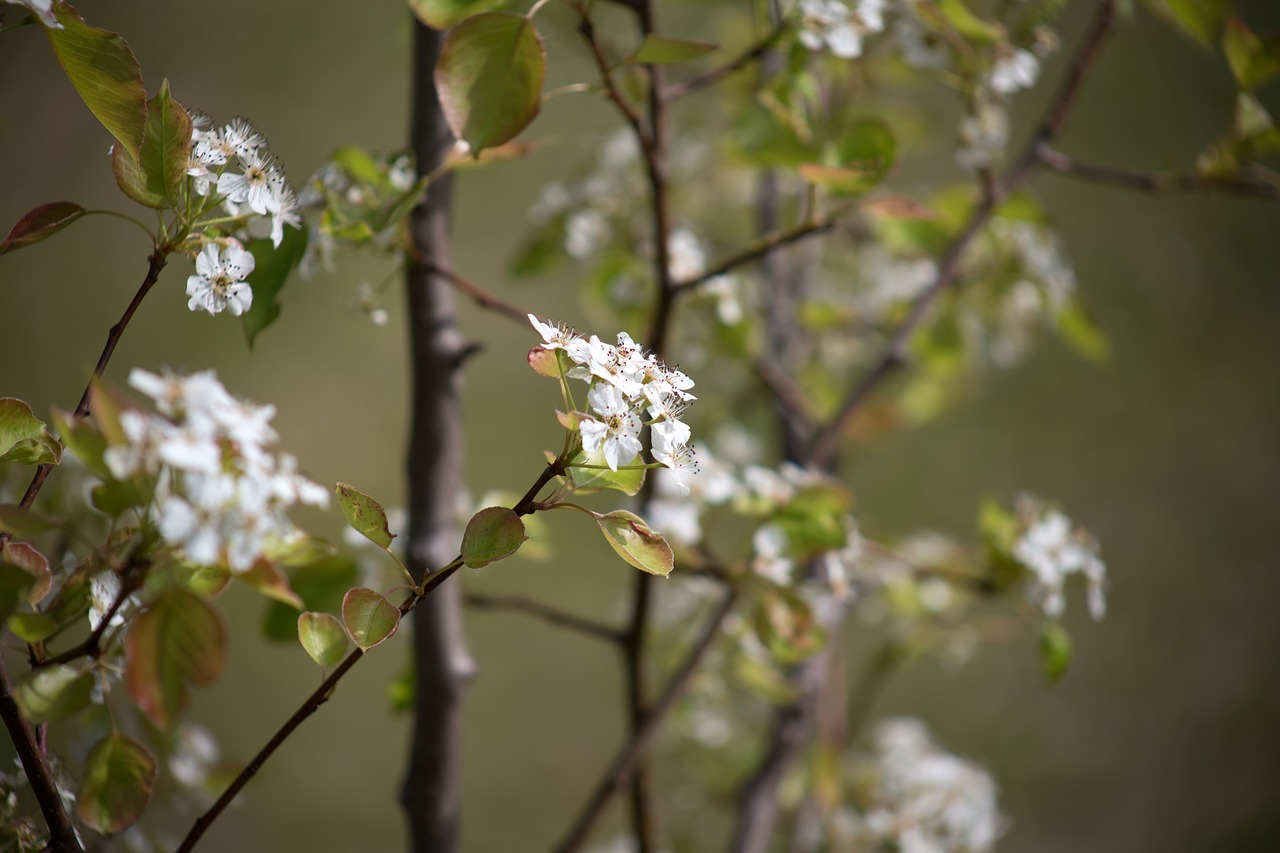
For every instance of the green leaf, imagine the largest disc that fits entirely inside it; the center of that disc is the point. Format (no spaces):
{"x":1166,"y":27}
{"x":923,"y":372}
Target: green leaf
{"x":179,"y":640}
{"x":968,"y":24}
{"x":402,"y":690}
{"x":321,"y":586}
{"x":660,"y":50}
{"x":1253,"y":61}
{"x":266,"y":578}
{"x":17,"y":520}
{"x":32,"y":627}
{"x":489,"y":77}
{"x":54,"y":693}
{"x":492,"y":534}
{"x":23,"y":437}
{"x":41,"y":222}
{"x":1055,"y":650}
{"x":443,"y":14}
{"x":859,"y":160}
{"x":629,"y":535}
{"x":271,"y":268}
{"x":323,"y":637}
{"x":83,"y":439}
{"x":154,"y":178}
{"x":105,"y":72}
{"x":114,"y":497}
{"x":813,"y":520}
{"x":626,"y":480}
{"x":365,"y":515}
{"x":785,"y":625}
{"x":31,"y":561}
{"x":369,"y":617}
{"x":106,"y":403}
{"x":1200,"y":19}
{"x":15,"y":587}
{"x":118,"y":775}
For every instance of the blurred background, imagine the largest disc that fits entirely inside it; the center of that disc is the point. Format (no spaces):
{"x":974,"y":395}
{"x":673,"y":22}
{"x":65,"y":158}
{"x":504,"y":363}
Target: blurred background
{"x":1163,"y":734}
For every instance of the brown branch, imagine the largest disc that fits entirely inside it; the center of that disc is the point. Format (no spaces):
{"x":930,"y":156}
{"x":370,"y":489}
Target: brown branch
{"x":715,"y":75}
{"x":62,"y":835}
{"x":545,"y":612}
{"x":320,"y":695}
{"x":633,"y":118}
{"x":1155,"y":182}
{"x":479,"y":295}
{"x":895,"y":350}
{"x":626,"y":761}
{"x":761,"y":249}
{"x":131,"y":578}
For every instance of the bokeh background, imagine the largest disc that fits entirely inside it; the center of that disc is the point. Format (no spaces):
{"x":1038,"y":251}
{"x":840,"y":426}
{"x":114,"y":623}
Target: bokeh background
{"x":1163,"y":735}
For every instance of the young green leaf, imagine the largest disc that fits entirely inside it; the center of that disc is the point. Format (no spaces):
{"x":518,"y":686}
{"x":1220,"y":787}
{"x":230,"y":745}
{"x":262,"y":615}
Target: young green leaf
{"x":626,"y":480}
{"x":54,"y":693}
{"x":118,"y":775}
{"x":17,"y":520}
{"x":1254,"y":61}
{"x":178,"y":641}
{"x":365,"y":515}
{"x":154,"y":178}
{"x":15,"y":586}
{"x":32,"y":627}
{"x":629,"y":535}
{"x":785,"y":625}
{"x":266,"y":578}
{"x":660,"y":50}
{"x":23,"y":437}
{"x":443,"y":14}
{"x":323,"y":637}
{"x":369,"y":617}
{"x":1055,"y":650}
{"x":105,"y":72}
{"x":492,"y":534}
{"x":41,"y":222}
{"x":1200,"y":19}
{"x":271,"y":270}
{"x":968,"y":24}
{"x":320,"y":584}
{"x":489,"y":77}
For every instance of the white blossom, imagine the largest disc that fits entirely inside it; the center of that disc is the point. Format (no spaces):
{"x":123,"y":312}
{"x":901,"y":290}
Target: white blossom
{"x":617,"y":432}
{"x":219,"y":283}
{"x":1052,"y":550}
{"x":839,"y":26}
{"x":1014,"y":70}
{"x":42,"y":9}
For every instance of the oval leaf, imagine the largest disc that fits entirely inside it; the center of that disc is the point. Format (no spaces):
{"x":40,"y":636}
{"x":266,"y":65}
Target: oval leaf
{"x":35,"y":564}
{"x":41,"y":222}
{"x":660,"y":50}
{"x":321,"y":586}
{"x":365,"y":515}
{"x":32,"y":627}
{"x":178,"y":641}
{"x":636,"y":543}
{"x":265,"y":576}
{"x":443,"y":14}
{"x":105,"y":72}
{"x":23,"y":437}
{"x":271,"y":269}
{"x":1055,"y":650}
{"x":118,"y":775}
{"x":15,"y":586}
{"x":489,"y":77}
{"x":322,"y":636}
{"x":17,"y":520}
{"x":54,"y":693}
{"x":626,"y":480}
{"x":491,"y":534}
{"x":369,"y":617}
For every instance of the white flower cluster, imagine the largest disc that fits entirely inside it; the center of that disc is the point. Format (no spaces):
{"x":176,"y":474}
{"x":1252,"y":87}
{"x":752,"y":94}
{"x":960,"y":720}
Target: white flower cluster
{"x":839,"y":26}
{"x":1053,"y":551}
{"x":917,"y":798}
{"x":220,"y":496}
{"x":624,"y":382}
{"x":234,"y":159}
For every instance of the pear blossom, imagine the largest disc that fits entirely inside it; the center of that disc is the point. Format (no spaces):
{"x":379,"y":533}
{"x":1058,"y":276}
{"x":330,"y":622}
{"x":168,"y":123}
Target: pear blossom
{"x":219,"y":283}
{"x":1052,"y":550}
{"x":253,"y":186}
{"x":839,"y":26}
{"x":1014,"y":70}
{"x":617,"y":432}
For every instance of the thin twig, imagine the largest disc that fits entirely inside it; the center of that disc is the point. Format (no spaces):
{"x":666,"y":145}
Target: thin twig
{"x":545,"y":612}
{"x":715,"y":75}
{"x":763,"y":247}
{"x":133,"y":575}
{"x":625,"y":762}
{"x":318,"y":697}
{"x":894,"y":353}
{"x":1155,"y":182}
{"x":479,"y":295}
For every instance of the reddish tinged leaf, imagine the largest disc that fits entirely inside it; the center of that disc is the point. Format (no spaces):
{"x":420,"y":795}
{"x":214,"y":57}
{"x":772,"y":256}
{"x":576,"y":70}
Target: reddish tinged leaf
{"x":369,"y":617}
{"x":118,"y":776}
{"x":629,"y":535}
{"x":266,"y":577}
{"x":365,"y":515}
{"x":31,"y":561}
{"x":178,"y":641}
{"x":41,"y":222}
